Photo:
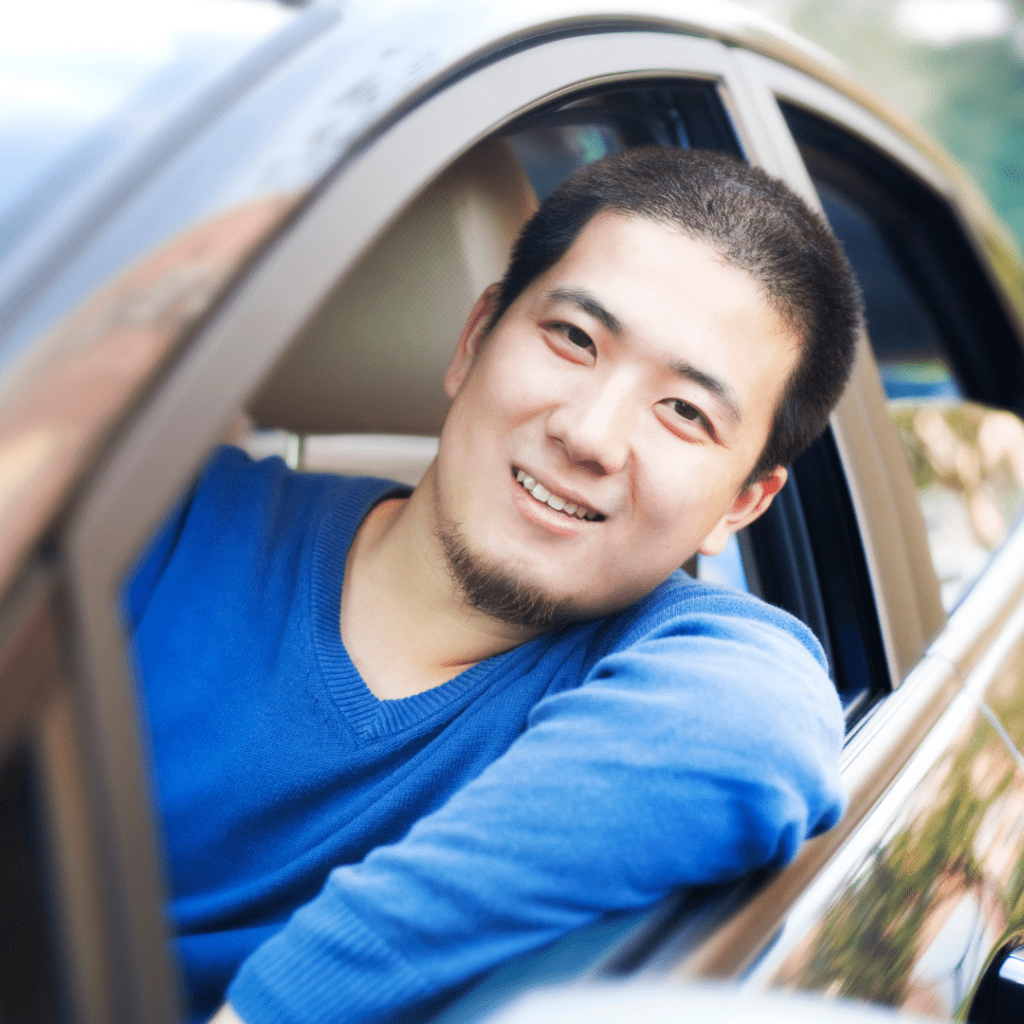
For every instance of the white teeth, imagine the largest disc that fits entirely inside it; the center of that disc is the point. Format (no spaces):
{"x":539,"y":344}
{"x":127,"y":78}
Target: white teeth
{"x":542,"y":494}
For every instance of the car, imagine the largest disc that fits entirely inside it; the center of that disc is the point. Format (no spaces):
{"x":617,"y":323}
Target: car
{"x":264,"y":223}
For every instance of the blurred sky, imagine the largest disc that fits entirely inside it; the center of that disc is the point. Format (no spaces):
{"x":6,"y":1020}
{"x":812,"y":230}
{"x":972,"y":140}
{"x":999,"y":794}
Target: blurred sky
{"x":65,"y":65}
{"x":956,"y":67}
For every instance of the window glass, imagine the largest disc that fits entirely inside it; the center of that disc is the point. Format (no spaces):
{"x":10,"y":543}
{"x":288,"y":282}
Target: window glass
{"x":726,"y":568}
{"x":947,"y":356}
{"x":550,"y":155}
{"x":906,"y":343}
{"x":27,"y":986}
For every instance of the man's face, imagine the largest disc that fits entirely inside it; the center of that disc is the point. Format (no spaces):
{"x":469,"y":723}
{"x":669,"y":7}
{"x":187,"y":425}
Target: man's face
{"x":635,"y":380}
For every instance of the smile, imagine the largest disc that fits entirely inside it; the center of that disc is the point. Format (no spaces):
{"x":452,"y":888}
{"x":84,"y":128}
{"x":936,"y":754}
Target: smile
{"x":540,"y":493}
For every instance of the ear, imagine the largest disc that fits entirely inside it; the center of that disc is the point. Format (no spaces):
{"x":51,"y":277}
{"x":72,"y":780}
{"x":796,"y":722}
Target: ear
{"x":751,"y":502}
{"x":472,"y":337}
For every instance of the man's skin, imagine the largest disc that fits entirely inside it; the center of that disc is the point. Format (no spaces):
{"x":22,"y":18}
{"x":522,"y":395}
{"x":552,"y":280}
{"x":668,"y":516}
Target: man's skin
{"x":637,"y":378}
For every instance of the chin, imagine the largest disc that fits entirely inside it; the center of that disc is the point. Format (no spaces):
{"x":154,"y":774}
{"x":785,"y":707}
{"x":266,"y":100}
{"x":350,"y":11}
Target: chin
{"x":501,"y":591}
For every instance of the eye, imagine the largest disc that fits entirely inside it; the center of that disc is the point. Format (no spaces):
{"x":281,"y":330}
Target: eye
{"x":684,"y":409}
{"x":579,"y":338}
{"x":690,"y":413}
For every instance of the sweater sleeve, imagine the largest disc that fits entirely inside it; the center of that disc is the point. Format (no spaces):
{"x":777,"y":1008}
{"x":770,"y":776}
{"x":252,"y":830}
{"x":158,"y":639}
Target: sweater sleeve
{"x":693,"y":756}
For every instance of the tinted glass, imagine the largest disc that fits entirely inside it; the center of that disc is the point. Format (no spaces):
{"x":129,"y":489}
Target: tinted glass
{"x":557,"y":140}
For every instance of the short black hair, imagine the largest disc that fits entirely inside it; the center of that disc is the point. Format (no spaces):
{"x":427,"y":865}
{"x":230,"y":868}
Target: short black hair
{"x":755,"y":222}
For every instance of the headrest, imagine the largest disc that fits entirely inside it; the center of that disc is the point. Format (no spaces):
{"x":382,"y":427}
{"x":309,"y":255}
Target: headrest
{"x":373,"y":357}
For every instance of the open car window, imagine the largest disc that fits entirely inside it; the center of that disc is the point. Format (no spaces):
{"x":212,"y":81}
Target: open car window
{"x":804,"y":555}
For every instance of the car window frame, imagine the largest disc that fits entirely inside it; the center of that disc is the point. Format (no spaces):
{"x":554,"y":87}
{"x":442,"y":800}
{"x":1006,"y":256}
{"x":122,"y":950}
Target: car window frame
{"x":162,"y":445}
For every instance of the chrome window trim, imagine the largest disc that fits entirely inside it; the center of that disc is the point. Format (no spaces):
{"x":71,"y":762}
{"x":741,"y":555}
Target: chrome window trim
{"x":986,"y":606}
{"x":163,"y":446}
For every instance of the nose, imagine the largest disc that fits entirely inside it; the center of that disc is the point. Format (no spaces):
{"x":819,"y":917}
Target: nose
{"x":594,"y":425}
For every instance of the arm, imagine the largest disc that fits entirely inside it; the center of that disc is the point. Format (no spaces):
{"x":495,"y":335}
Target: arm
{"x":684,"y":760}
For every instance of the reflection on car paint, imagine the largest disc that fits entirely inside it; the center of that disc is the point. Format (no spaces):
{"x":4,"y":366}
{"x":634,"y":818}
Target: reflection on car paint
{"x":100,"y":357}
{"x":943,"y":886}
{"x":968,"y":466}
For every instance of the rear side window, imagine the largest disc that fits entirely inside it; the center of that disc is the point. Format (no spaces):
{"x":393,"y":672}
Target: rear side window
{"x":949,"y":359}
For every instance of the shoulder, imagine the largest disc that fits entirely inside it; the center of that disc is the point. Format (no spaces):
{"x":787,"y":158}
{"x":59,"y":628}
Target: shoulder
{"x":682,"y":606}
{"x":717,"y":690}
{"x":235,"y":491}
{"x":726,"y":659}
{"x":234,"y":484}
{"x":243,"y":519}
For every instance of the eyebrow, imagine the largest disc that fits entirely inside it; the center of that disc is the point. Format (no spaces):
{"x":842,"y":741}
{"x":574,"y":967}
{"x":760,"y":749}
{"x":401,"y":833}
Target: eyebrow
{"x":586,"y":302}
{"x":718,"y":388}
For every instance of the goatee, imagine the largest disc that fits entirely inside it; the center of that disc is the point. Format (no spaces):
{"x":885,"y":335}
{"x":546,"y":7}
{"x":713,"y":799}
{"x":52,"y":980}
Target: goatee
{"x":498,"y":592}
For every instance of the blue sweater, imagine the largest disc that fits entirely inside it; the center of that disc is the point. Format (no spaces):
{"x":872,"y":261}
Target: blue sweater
{"x":362,"y":855}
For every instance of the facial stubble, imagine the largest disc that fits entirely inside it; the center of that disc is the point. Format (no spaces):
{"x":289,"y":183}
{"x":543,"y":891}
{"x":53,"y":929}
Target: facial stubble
{"x":498,"y":591}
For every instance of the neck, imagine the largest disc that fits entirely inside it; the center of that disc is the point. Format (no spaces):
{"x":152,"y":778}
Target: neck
{"x":405,"y":623}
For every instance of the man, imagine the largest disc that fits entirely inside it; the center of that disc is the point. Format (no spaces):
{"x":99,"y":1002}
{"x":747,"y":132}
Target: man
{"x":452,"y":725}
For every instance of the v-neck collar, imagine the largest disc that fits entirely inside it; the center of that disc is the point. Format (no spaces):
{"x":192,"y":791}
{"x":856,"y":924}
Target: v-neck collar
{"x":365,"y":714}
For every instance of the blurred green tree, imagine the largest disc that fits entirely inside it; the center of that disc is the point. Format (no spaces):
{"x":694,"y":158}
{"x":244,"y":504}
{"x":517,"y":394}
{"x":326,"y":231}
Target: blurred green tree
{"x":956,"y":67}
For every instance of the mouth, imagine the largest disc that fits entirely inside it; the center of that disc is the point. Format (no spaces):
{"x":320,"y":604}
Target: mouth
{"x":539,"y":493}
